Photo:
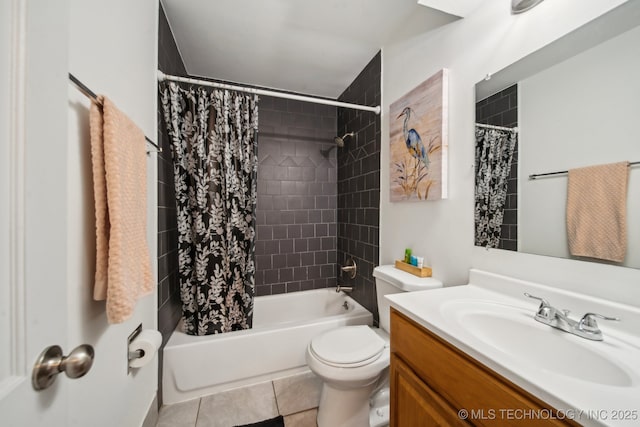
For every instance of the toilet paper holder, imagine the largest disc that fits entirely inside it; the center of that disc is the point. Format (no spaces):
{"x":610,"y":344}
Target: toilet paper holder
{"x":142,"y":346}
{"x":137,"y":354}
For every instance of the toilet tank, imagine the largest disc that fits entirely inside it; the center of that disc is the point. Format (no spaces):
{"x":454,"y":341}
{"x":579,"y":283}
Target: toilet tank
{"x":390,"y":280}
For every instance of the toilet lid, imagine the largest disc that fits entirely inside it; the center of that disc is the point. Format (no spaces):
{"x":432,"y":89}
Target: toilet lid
{"x":348,"y":346}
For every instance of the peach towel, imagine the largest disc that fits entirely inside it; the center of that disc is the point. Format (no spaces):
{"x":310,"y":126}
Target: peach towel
{"x":597,"y":211}
{"x":118,"y":152}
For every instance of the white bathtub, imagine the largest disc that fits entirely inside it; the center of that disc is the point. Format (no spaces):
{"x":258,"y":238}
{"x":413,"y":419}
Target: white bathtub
{"x":283,"y":325}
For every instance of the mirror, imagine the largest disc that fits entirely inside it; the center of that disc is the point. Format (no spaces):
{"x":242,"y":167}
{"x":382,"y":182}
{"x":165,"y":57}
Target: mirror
{"x":575,"y":103}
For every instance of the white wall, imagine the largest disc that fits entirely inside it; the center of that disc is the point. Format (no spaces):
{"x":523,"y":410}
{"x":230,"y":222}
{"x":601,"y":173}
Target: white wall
{"x":113,"y":50}
{"x":581,"y":112}
{"x":442,"y":231}
{"x":5,"y":105}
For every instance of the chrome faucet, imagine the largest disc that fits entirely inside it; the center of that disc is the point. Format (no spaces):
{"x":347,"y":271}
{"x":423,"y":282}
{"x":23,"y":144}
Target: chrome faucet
{"x":586,"y":327}
{"x":345,"y":289}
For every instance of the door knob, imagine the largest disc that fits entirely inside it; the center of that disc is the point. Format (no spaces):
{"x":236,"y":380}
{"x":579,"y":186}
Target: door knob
{"x":51,"y":362}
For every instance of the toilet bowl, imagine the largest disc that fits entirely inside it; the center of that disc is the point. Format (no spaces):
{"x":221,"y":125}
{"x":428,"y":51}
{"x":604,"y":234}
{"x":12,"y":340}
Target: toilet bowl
{"x":351,"y":360}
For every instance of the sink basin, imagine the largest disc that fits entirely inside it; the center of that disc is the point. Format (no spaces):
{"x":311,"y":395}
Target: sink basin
{"x":514,"y":332}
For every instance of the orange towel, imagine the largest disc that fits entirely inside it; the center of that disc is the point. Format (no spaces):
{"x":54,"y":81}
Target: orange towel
{"x":597,"y":211}
{"x":118,"y":152}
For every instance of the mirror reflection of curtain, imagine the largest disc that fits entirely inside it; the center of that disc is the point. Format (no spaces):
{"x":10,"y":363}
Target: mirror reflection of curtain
{"x":494,"y":153}
{"x":214,"y":150}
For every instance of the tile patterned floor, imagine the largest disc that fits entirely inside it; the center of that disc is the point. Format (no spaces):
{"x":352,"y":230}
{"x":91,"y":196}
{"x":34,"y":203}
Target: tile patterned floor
{"x":295,"y":397}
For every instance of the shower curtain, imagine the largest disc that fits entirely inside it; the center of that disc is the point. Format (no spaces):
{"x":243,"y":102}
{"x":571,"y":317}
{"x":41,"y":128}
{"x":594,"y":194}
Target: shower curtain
{"x":494,"y":153}
{"x":213,"y":137}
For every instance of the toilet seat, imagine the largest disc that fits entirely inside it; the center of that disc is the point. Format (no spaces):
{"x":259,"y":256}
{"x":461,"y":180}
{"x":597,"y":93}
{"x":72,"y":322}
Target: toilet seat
{"x":348,"y":346}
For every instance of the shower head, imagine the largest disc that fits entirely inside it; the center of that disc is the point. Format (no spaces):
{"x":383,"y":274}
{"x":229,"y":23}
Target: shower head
{"x":340,"y":141}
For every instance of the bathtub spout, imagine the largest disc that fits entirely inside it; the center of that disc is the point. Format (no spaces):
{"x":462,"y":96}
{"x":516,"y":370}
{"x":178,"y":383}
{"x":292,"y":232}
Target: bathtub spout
{"x":345,"y":289}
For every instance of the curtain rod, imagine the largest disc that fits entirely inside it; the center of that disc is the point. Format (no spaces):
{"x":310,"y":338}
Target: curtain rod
{"x":537,"y":175}
{"x":480,"y":125}
{"x":162,"y":77}
{"x":94,"y":98}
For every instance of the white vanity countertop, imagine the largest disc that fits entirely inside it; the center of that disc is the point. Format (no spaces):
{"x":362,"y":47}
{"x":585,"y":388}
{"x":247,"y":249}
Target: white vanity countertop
{"x":596,"y":383}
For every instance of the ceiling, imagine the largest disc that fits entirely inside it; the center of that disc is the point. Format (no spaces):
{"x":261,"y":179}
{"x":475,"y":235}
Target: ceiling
{"x":459,"y":8}
{"x":313,"y":47}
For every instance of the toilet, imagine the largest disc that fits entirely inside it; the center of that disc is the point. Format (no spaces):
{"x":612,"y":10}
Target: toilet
{"x":353,"y":361}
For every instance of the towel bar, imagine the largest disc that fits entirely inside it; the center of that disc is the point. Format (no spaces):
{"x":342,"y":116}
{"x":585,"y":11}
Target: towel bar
{"x":94,"y":98}
{"x":537,"y":175}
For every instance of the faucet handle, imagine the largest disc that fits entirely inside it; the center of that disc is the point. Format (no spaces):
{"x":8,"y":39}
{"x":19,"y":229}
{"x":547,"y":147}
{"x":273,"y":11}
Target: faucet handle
{"x":543,"y":302}
{"x":546,"y":312}
{"x":588,"y":322}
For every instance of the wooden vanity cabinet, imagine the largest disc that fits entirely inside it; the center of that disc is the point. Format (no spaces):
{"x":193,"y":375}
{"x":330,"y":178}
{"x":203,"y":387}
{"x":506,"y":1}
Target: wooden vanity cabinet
{"x":414,"y":403}
{"x":435,"y":384}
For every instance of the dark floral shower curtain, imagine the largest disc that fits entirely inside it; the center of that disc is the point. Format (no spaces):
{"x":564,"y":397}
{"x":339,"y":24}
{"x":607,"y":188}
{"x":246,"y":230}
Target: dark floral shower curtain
{"x":214,"y":135}
{"x":494,"y":153}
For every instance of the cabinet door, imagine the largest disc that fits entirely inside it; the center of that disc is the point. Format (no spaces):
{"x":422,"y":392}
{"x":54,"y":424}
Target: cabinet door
{"x":414,"y":404}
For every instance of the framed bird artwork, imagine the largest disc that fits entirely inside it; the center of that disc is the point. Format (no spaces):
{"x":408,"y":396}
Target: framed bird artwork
{"x":418,"y":141}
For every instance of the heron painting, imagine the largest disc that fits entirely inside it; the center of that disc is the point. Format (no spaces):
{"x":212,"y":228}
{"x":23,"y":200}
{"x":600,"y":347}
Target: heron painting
{"x":418,"y":140}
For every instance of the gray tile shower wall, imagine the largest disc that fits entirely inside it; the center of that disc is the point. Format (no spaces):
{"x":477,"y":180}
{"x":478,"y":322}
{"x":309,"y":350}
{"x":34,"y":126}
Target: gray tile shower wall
{"x":359,"y":185}
{"x":501,"y":109}
{"x":169,"y":305}
{"x":297,"y":197}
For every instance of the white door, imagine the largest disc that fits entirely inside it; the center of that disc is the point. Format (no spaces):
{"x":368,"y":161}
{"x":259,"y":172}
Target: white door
{"x":33,"y":127}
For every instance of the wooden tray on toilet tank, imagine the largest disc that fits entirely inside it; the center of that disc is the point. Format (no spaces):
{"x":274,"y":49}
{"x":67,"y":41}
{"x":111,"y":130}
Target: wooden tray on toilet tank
{"x":420,"y":272}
